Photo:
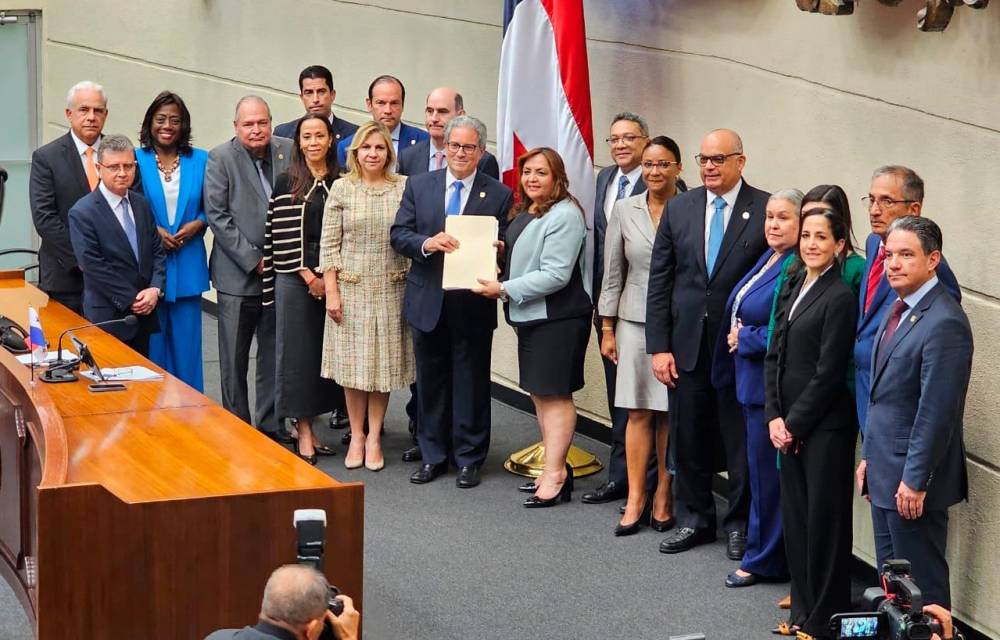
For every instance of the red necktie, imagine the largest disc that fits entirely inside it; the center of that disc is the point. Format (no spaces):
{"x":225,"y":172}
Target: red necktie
{"x":875,"y":276}
{"x":898,"y":309}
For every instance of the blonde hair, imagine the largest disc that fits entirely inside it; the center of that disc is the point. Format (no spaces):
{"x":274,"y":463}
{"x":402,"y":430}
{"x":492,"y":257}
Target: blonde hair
{"x":365,"y":130}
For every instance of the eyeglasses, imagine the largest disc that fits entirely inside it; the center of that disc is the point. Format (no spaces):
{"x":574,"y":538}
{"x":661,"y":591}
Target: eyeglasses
{"x":175,"y":121}
{"x":717,"y":161}
{"x":127,"y":167}
{"x":883,"y":203}
{"x":627,"y":139}
{"x":662,"y":165}
{"x":455,"y":147}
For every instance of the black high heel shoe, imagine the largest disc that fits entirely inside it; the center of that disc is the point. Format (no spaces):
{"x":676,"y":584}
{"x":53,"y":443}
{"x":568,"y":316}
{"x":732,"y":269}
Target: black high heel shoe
{"x":644,"y":516}
{"x":528,"y":487}
{"x":661,"y":525}
{"x":565,"y":494}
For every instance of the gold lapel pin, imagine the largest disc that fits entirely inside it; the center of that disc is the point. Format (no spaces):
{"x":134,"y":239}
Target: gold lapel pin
{"x":482,"y":194}
{"x":746,"y":215}
{"x":281,"y":156}
{"x":913,"y":319}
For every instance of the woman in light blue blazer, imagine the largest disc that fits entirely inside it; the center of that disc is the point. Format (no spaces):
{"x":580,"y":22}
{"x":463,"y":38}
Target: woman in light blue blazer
{"x":172,"y":173}
{"x":547,"y":302}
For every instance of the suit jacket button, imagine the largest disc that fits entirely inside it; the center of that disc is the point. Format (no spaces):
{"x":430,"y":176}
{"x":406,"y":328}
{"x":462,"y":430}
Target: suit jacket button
{"x":708,"y":293}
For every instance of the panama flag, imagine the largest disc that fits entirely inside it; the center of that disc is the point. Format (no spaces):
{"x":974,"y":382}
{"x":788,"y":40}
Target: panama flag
{"x":36,"y":339}
{"x":544,"y":92}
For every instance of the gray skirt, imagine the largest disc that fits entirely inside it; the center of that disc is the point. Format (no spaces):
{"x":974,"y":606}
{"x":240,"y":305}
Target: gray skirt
{"x":635,"y":385}
{"x":300,"y":319}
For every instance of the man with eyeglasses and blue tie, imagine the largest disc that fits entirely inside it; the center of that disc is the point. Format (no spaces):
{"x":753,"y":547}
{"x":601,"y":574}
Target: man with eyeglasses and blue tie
{"x":118,"y":248}
{"x":452,"y":330}
{"x":708,"y":239}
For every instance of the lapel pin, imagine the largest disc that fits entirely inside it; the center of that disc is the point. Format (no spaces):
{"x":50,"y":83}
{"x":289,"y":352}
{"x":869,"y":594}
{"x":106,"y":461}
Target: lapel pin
{"x":281,"y":156}
{"x":482,"y":194}
{"x":746,"y":215}
{"x":413,"y":142}
{"x":913,"y":319}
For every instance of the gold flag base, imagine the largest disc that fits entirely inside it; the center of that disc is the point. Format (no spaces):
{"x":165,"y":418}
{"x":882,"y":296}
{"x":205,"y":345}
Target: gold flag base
{"x":530,"y":461}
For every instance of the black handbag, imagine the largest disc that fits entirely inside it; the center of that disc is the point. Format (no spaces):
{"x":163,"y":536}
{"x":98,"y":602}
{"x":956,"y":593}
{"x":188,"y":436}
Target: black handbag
{"x":13,"y":337}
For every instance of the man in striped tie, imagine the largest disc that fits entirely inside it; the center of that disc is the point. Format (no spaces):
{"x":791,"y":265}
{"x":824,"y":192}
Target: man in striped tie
{"x":895,"y":191}
{"x":118,"y":248}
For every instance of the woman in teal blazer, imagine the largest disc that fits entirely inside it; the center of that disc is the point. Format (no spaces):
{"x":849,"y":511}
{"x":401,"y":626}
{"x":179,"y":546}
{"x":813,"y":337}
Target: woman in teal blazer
{"x":172,"y":173}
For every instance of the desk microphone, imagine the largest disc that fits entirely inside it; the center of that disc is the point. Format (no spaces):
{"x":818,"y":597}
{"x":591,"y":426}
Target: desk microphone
{"x":62,"y":370}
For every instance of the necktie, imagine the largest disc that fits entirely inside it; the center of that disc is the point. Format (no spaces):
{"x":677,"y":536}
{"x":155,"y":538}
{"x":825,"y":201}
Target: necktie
{"x":264,"y":182}
{"x":715,"y":232}
{"x":875,"y":277}
{"x":622,"y":186}
{"x":91,"y":168}
{"x":455,"y":202}
{"x":129,"y":225}
{"x":439,"y":159}
{"x":898,"y":310}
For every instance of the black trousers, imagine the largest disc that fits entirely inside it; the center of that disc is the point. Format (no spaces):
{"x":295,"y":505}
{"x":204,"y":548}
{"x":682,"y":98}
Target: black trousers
{"x":816,"y":498}
{"x":923,"y":542}
{"x":707,"y":427}
{"x":453,"y":388}
{"x":241,"y":318}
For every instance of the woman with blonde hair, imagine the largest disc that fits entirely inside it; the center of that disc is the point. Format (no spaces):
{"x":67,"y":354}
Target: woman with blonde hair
{"x":366,"y":346}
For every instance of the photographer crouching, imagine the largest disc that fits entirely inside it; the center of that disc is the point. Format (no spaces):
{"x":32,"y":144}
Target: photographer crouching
{"x":296,"y":607}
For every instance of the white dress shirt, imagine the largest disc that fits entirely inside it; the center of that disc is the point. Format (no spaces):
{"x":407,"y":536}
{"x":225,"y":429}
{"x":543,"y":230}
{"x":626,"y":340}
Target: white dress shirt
{"x":727,"y":213}
{"x":171,"y":192}
{"x":81,"y":149}
{"x":449,"y":180}
{"x":612,"y":194}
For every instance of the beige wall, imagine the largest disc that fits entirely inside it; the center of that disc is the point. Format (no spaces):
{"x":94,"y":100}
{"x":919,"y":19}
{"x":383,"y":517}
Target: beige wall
{"x":817,"y":99}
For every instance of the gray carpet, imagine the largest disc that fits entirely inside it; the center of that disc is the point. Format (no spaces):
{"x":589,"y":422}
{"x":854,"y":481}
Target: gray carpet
{"x":443,"y":563}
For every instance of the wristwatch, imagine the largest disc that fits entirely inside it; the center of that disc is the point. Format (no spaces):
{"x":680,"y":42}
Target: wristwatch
{"x":503,"y":294}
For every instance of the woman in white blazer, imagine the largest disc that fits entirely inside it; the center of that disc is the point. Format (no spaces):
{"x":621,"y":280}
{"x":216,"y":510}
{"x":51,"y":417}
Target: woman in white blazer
{"x":628,"y":246}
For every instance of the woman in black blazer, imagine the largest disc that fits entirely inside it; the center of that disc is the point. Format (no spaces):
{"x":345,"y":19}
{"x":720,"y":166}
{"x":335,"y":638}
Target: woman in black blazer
{"x":811,"y":420}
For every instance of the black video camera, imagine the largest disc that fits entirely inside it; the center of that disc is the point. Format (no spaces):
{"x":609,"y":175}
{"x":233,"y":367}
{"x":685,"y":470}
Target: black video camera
{"x":897,"y":610}
{"x":310,"y":524}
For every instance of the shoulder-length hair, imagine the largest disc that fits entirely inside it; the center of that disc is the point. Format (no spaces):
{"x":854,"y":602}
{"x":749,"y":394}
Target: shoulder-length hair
{"x":559,"y":193}
{"x":365,"y":130}
{"x":300,"y":178}
{"x":183,"y":136}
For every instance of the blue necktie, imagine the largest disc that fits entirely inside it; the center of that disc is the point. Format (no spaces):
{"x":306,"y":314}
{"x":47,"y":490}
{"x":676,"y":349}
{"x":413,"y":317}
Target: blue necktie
{"x":715,"y":233}
{"x":455,"y":202}
{"x":129,"y":224}
{"x":622,"y":186}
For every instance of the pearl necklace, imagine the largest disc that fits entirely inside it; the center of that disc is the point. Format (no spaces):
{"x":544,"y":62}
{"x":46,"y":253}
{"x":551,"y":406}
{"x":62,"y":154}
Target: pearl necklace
{"x":168,"y":173}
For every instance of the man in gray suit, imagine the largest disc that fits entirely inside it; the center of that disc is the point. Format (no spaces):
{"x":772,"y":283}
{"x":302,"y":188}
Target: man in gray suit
{"x":913,"y":457}
{"x":238,"y":181}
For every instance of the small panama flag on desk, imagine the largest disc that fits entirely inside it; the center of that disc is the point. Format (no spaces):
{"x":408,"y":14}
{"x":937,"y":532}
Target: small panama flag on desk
{"x":36,"y":339}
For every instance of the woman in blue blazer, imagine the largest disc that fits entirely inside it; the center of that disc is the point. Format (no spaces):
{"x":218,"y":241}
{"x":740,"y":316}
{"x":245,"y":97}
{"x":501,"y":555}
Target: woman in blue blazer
{"x":548,"y":304}
{"x":739,"y":362}
{"x":172,"y":173}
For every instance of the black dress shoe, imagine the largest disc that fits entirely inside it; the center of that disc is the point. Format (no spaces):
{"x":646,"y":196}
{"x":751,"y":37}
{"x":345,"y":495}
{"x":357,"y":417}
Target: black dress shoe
{"x":736,"y":546}
{"x":528,"y":487}
{"x":628,"y":529}
{"x":413,"y":454}
{"x":686,"y":538}
{"x":323,"y":450}
{"x":339,"y":419}
{"x":428,"y":472}
{"x":735,"y":580}
{"x":662,"y":525}
{"x":607,"y":492}
{"x":468,"y":477}
{"x":565,"y":494}
{"x":281,"y":436}
{"x":310,"y":459}
{"x":345,"y":439}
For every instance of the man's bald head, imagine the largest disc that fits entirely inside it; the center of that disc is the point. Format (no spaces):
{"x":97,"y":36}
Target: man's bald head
{"x":443,"y":104}
{"x":721,"y":160}
{"x":296,"y":595}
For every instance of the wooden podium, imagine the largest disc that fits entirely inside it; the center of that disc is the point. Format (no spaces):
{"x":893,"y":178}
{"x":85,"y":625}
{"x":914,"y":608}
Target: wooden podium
{"x":151,"y":512}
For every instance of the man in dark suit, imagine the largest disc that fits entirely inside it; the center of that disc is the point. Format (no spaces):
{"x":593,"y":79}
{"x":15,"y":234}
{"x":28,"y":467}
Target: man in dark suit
{"x":895,"y":191}
{"x":707,"y":240}
{"x":430,"y":154}
{"x":386,"y":98}
{"x":317,"y":94}
{"x":62,"y":172}
{"x":443,"y":104}
{"x":118,"y":248}
{"x":913,"y":457}
{"x":629,"y":134}
{"x":239,"y":176}
{"x":452,"y":330}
